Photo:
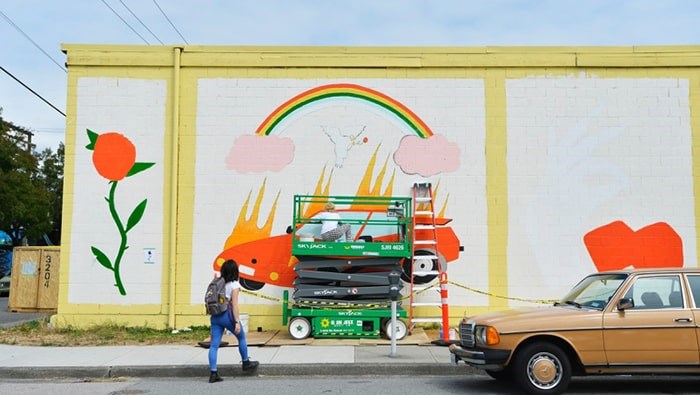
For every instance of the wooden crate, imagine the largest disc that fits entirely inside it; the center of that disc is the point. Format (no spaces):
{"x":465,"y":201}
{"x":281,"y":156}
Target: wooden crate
{"x":34,"y":280}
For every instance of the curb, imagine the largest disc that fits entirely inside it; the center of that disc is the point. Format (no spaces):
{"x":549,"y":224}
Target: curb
{"x":325,"y":369}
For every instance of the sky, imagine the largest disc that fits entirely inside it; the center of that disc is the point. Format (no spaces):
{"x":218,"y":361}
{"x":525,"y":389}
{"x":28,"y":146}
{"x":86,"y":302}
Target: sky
{"x":32,"y":32}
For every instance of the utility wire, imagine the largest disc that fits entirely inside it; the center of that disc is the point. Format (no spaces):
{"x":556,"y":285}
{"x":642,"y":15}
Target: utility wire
{"x":169,"y":21}
{"x":49,"y":130}
{"x":125,"y":22}
{"x":31,"y":90}
{"x":141,"y":22}
{"x":7,"y":18}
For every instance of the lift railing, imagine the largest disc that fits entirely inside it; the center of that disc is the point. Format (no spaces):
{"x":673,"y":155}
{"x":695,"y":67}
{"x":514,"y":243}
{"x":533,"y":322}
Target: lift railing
{"x":381,"y":226}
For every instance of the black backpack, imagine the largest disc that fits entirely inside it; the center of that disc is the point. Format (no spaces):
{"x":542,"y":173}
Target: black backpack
{"x":215,"y":298}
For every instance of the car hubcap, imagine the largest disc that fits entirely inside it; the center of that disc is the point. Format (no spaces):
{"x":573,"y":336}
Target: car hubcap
{"x":544,"y":370}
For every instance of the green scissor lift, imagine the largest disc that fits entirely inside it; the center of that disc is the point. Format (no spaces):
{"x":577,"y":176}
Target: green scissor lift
{"x":345,"y":289}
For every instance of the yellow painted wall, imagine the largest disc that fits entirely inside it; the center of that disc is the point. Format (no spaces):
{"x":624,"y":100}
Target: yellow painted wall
{"x":181,"y":69}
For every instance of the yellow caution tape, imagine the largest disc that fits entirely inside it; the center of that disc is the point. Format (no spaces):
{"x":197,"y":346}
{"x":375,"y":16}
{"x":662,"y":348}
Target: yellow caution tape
{"x":541,"y":301}
{"x":378,"y":306}
{"x":262,"y":296}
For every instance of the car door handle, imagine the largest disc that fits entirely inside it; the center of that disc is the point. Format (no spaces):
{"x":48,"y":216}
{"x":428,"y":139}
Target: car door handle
{"x":683,"y":320}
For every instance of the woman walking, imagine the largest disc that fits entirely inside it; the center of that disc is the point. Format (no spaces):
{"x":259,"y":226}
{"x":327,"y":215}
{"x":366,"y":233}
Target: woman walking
{"x":230,"y":319}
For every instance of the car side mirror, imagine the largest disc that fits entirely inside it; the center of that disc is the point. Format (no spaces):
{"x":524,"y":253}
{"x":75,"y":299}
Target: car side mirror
{"x":625,"y":303}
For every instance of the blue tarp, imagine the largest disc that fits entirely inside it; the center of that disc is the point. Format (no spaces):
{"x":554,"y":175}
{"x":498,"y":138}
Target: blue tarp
{"x":5,"y":254}
{"x":5,"y":239}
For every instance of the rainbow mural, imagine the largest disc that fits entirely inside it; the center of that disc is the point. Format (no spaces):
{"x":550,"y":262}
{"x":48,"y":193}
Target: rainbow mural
{"x":353,"y":91}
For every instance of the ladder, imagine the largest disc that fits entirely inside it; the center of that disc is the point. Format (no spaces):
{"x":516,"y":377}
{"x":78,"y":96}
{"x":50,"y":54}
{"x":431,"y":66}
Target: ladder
{"x":425,"y":263}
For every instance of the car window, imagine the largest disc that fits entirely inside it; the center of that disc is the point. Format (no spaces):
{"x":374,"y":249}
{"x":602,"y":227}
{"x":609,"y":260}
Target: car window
{"x":695,"y":289}
{"x":656,"y":292}
{"x":594,"y":291}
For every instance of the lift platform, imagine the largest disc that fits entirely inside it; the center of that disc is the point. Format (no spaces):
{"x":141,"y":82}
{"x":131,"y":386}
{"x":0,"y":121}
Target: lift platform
{"x":345,"y":288}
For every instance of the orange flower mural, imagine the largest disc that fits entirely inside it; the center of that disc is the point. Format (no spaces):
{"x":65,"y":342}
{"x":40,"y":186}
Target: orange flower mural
{"x":114,"y":158}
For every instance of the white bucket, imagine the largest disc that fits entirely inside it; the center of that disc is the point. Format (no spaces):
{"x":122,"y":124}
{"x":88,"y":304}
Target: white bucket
{"x":244,"y":321}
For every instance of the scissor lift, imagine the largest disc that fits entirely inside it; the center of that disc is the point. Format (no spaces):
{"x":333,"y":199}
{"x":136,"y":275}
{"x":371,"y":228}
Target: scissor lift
{"x":345,"y":289}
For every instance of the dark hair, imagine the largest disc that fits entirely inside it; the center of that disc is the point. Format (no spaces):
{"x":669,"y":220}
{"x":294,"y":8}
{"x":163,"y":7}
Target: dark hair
{"x":229,"y":271}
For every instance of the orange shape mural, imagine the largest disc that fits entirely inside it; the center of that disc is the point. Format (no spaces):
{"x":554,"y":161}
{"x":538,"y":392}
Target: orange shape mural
{"x":616,"y":246}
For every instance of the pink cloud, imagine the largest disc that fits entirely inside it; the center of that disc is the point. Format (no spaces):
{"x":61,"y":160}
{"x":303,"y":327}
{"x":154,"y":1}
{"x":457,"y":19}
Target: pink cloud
{"x":257,"y":154}
{"x":427,"y":157}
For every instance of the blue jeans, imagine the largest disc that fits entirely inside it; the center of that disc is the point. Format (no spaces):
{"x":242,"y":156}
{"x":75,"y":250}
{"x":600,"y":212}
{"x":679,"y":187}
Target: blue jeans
{"x":218,"y":323}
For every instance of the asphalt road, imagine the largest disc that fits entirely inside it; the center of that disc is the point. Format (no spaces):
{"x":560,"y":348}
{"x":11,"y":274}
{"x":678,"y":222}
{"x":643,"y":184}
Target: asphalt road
{"x":330,"y":385}
{"x":8,"y":318}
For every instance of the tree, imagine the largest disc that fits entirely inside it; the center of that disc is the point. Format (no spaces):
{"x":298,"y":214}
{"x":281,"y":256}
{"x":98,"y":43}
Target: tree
{"x":31,"y":184}
{"x":51,"y":174}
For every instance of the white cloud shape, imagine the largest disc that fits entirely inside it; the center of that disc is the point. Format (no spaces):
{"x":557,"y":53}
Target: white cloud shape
{"x":427,"y":157}
{"x":258,"y":154}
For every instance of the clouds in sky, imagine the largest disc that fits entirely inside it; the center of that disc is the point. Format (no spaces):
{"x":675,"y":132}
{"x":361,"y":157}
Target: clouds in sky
{"x":257,"y":154}
{"x":445,"y":155}
{"x":307,"y":22}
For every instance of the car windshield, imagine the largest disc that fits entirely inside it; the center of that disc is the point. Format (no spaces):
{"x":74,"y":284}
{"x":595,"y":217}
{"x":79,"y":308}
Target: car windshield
{"x":594,"y":291}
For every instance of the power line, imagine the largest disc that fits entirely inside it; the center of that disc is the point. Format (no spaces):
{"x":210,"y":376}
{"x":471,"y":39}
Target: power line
{"x":49,"y":130}
{"x":125,"y":22}
{"x":31,"y":90}
{"x":7,"y":18}
{"x":141,"y":22}
{"x":169,"y":21}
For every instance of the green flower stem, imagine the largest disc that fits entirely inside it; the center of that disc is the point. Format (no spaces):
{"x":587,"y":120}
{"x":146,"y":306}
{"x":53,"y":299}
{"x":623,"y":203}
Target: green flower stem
{"x":122,"y":233}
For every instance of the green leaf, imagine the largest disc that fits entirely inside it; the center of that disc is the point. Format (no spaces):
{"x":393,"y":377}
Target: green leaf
{"x":138,"y":167}
{"x":102,"y":258}
{"x":93,"y":138}
{"x":136,"y":215}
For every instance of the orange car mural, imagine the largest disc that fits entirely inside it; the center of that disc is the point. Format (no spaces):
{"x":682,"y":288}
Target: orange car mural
{"x":270,"y":260}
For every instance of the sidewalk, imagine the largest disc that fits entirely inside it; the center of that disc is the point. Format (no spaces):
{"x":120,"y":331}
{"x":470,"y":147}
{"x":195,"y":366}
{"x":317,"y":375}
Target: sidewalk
{"x":191,"y":361}
{"x":278,"y":353}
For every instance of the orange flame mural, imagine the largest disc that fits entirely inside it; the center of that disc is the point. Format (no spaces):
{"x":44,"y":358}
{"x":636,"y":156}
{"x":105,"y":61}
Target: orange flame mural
{"x":265,"y":259}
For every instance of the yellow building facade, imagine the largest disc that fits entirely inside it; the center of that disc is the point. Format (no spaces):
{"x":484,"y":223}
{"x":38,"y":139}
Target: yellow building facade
{"x":552,"y":162}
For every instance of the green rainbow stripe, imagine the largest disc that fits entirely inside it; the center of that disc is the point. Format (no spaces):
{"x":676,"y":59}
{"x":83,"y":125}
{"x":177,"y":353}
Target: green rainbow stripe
{"x":344,"y":90}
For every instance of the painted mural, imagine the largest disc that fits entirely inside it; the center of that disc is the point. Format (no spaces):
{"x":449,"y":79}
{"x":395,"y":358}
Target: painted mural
{"x":557,"y":230}
{"x":548,"y":170}
{"x":616,"y":246}
{"x":591,"y":162}
{"x":117,"y":208}
{"x":114,"y":157}
{"x":360,"y":137}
